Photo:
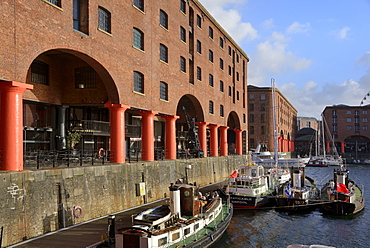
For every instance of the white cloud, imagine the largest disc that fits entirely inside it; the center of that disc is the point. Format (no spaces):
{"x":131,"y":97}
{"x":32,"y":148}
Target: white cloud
{"x":268,"y":24}
{"x":342,"y":33}
{"x":231,"y":19}
{"x":296,"y":27}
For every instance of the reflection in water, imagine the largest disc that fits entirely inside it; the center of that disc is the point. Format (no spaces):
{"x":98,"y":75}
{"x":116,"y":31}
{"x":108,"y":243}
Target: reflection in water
{"x":268,"y":228}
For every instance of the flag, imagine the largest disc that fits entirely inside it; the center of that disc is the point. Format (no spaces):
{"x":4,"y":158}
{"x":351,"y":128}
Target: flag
{"x":288,"y":191}
{"x":342,"y":188}
{"x":234,"y":174}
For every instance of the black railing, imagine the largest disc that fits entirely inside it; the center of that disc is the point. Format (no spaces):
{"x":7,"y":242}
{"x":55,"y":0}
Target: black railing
{"x":89,"y":126}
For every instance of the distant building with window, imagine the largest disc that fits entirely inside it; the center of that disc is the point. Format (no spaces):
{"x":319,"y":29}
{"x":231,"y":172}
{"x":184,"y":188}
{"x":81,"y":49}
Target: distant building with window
{"x":260,"y":119}
{"x":309,"y":122}
{"x":124,"y":75}
{"x":349,"y":128}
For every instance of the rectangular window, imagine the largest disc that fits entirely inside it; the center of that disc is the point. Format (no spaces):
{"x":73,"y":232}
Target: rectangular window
{"x":229,"y":48}
{"x":251,"y":96}
{"x":139,"y":4}
{"x":186,"y":231}
{"x":349,"y":112}
{"x":251,"y":129}
{"x":244,"y":118}
{"x":222,"y":110}
{"x":55,"y":2}
{"x":104,"y":22}
{"x":182,"y":64}
{"x":199,"y":21}
{"x":335,"y":128}
{"x":349,"y":120}
{"x":81,"y":16}
{"x":182,"y":34}
{"x":221,"y":64}
{"x":138,"y":39}
{"x":199,"y":47}
{"x":210,"y":32}
{"x":221,"y":42}
{"x":263,"y":97}
{"x":364,"y":128}
{"x":263,"y":107}
{"x":211,"y":107}
{"x":334,"y":113}
{"x":163,"y":53}
{"x":163,"y":19}
{"x":40,"y":72}
{"x":138,"y":82}
{"x":364,"y":119}
{"x":210,"y":56}
{"x":163,"y":91}
{"x":85,"y":78}
{"x":334,"y":120}
{"x":263,"y":130}
{"x":251,"y":118}
{"x":263,"y":118}
{"x":364,"y":112}
{"x":230,"y":72}
{"x":230,"y":91}
{"x":199,"y":73}
{"x":162,"y":241}
{"x":221,"y":86}
{"x":175,"y":236}
{"x":349,"y":128}
{"x":211,"y":80}
{"x":183,"y":6}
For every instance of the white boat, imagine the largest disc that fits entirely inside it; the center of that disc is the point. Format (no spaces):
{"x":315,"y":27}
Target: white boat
{"x":250,"y":187}
{"x":190,"y":220}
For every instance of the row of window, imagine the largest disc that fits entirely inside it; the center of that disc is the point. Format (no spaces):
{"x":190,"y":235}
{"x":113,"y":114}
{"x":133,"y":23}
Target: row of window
{"x":349,"y":119}
{"x":349,"y":112}
{"x":349,"y":128}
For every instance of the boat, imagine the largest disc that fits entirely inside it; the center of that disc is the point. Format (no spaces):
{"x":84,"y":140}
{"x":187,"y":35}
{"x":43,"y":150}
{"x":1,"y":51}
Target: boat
{"x":251,"y":185}
{"x":189,"y":220}
{"x":325,"y":160}
{"x":299,"y":194}
{"x":341,"y":195}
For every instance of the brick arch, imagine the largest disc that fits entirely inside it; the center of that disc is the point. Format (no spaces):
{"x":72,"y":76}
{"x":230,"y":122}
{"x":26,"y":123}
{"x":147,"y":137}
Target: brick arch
{"x":233,"y":121}
{"x":62,"y":63}
{"x":192,"y":107}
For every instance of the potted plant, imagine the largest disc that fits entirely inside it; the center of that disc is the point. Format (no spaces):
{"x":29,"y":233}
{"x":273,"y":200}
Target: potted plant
{"x":72,"y":139}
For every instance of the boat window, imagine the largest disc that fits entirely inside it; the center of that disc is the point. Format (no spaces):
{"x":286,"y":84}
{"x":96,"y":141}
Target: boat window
{"x":254,"y":173}
{"x":211,"y":217}
{"x":162,"y":241}
{"x":186,"y":231}
{"x":175,"y":236}
{"x":196,"y":226}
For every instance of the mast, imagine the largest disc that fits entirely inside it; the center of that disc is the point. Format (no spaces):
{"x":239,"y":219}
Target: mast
{"x":274,"y":121}
{"x":323,"y":136}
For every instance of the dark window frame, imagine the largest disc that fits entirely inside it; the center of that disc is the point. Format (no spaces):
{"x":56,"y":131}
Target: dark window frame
{"x":163,"y":53}
{"x":163,"y":91}
{"x":139,"y":82}
{"x":40,"y":72}
{"x":104,"y":20}
{"x":139,"y":4}
{"x":85,"y":78}
{"x":138,"y":39}
{"x":182,"y":64}
{"x":163,"y":19}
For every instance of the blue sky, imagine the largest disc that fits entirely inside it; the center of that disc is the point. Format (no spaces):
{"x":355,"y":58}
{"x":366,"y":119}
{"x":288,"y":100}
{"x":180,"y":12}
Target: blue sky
{"x":318,"y":52}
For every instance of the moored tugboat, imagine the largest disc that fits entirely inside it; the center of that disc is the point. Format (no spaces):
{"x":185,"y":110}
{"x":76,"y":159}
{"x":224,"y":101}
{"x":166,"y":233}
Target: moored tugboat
{"x":341,"y":195}
{"x":299,"y":194}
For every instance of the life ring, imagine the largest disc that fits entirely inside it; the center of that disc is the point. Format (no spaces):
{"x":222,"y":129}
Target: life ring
{"x":77,"y":211}
{"x":101,"y":153}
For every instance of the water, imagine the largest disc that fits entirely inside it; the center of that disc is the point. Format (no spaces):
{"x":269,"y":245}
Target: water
{"x":268,"y":228}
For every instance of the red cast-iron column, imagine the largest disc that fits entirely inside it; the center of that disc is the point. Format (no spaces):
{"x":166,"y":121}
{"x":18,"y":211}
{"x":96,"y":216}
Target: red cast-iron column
{"x":327,"y":146}
{"x":213,"y":140}
{"x":223,"y":141}
{"x":238,"y":141}
{"x":342,"y":145}
{"x":170,"y":141}
{"x":11,"y":128}
{"x":202,"y":134}
{"x":147,"y":134}
{"x":117,"y":131}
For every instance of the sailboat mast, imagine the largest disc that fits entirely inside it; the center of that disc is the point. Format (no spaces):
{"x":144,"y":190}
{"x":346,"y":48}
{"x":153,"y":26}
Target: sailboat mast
{"x":323,"y":136}
{"x":274,"y":121}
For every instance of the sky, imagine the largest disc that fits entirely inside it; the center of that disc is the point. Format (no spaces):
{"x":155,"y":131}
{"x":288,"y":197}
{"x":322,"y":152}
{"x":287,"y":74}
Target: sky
{"x":317,"y":52}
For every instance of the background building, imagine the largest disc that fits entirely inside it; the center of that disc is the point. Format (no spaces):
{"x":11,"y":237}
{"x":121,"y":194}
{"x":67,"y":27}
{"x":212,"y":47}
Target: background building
{"x":260,"y":119}
{"x":348,"y":127}
{"x":126,"y":76}
{"x":310,"y":122}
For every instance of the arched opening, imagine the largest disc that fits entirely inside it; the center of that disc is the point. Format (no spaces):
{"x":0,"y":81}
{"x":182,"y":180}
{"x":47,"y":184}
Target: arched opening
{"x":65,"y":110}
{"x":190,"y":111}
{"x":233,"y":122}
{"x":356,"y":144}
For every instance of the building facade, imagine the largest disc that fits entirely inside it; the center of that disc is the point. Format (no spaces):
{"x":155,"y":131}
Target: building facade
{"x":307,"y":122}
{"x":119,"y":75}
{"x":348,"y":128}
{"x":260,"y":119}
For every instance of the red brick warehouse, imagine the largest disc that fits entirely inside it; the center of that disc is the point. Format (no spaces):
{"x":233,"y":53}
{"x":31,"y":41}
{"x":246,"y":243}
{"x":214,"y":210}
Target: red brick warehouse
{"x":122,"y":74}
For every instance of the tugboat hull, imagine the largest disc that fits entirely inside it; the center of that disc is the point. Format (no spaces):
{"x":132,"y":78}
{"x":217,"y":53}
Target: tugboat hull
{"x":240,"y":201}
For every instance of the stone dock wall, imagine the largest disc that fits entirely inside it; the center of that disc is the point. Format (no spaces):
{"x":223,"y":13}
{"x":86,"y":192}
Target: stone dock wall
{"x":33,"y":203}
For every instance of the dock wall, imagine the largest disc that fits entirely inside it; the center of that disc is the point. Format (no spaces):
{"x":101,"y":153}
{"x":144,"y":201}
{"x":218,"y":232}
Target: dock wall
{"x":33,"y":203}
